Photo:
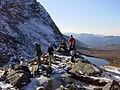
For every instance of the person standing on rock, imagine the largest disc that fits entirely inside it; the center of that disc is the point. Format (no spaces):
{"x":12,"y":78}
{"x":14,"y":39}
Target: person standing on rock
{"x":38,"y":52}
{"x":50,"y":51}
{"x":71,"y":43}
{"x":72,"y":47}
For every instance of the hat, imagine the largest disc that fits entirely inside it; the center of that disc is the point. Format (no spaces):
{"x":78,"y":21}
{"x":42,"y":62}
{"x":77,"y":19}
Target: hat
{"x":22,"y":59}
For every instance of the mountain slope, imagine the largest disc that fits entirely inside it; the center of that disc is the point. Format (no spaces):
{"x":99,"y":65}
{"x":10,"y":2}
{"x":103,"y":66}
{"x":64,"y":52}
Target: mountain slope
{"x":23,"y":22}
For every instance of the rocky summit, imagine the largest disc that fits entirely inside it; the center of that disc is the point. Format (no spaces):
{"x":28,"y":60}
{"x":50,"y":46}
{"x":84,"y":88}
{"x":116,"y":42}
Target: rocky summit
{"x":23,"y":22}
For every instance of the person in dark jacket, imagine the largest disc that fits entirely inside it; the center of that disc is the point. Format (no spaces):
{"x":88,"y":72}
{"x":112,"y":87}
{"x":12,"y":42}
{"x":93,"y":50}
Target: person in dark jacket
{"x":50,"y":51}
{"x":38,"y":52}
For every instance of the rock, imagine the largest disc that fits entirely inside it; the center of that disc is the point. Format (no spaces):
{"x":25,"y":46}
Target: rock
{"x":112,"y":85}
{"x":44,"y":70}
{"x":71,"y":86}
{"x":17,"y":35}
{"x":99,"y":88}
{"x":33,"y":67}
{"x":3,"y":75}
{"x":89,"y":80}
{"x":40,"y":88}
{"x":86,"y":68}
{"x":60,"y":51}
{"x":47,"y":69}
{"x":83,"y":70}
{"x":18,"y":78}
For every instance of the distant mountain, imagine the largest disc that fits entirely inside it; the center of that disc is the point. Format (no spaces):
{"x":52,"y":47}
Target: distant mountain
{"x":112,"y":47}
{"x":23,"y":22}
{"x":96,"y":40}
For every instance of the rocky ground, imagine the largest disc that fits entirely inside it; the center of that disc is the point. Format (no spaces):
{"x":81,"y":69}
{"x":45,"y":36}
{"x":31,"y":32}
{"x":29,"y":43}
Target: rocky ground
{"x":62,"y":75}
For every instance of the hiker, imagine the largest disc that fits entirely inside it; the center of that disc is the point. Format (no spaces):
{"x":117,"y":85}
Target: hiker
{"x":72,"y":47}
{"x":63,"y":45}
{"x":50,"y":51}
{"x":72,"y":53}
{"x":38,"y":52}
{"x":23,"y":62}
{"x":11,"y":68}
{"x":23,"y":65}
{"x":72,"y":43}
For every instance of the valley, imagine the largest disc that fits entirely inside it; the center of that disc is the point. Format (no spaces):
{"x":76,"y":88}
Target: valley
{"x":110,"y":53}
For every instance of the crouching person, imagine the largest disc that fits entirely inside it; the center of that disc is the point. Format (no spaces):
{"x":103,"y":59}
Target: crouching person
{"x":23,"y":65}
{"x":73,"y":52}
{"x":50,"y":51}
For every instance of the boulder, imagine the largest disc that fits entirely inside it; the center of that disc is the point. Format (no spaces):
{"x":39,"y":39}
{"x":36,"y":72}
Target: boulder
{"x":33,"y":67}
{"x":18,"y":78}
{"x":47,"y":69}
{"x":61,"y":51}
{"x":85,"y":68}
{"x":90,"y":80}
{"x":112,"y":85}
{"x":72,"y":86}
{"x":44,"y":70}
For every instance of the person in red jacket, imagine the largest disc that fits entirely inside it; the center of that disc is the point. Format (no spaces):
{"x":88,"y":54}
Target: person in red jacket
{"x":72,"y":43}
{"x":72,"y":48}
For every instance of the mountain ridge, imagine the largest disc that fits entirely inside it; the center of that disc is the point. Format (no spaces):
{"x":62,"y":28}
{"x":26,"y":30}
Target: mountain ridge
{"x":96,"y":40}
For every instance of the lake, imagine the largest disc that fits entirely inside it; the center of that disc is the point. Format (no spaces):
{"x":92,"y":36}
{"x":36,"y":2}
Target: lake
{"x":96,"y":61}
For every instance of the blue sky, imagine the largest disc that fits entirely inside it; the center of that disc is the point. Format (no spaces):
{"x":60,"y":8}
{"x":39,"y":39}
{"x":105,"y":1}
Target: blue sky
{"x":85,"y":16}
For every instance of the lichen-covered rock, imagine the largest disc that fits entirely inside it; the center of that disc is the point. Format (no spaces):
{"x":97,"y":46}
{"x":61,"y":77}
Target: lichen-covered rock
{"x":86,"y":68}
{"x":18,"y":78}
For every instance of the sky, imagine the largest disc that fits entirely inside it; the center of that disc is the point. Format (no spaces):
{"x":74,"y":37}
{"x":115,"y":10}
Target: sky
{"x":85,"y":16}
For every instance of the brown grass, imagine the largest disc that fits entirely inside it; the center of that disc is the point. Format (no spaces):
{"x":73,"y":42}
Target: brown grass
{"x":111,"y":54}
